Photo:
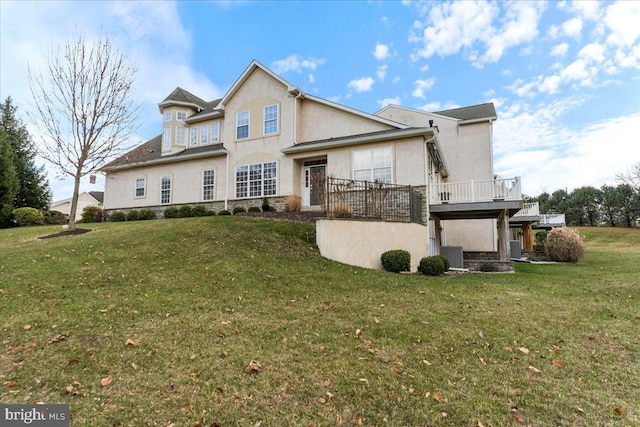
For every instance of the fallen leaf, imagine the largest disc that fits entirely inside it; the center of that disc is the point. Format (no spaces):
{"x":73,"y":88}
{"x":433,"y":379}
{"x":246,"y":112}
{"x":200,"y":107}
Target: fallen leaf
{"x":326,"y":382}
{"x":534,"y":369}
{"x":524,"y":350}
{"x":26,"y":327}
{"x":197,"y":424}
{"x":557,"y":362}
{"x":68,"y":389}
{"x":193,"y":356}
{"x":358,"y":333}
{"x":480,"y":334}
{"x":221,"y":334}
{"x":480,"y":424}
{"x":254,"y":367}
{"x":437,"y":397}
{"x":131,"y":342}
{"x":10,"y":384}
{"x":579,"y":409}
{"x":376,"y":320}
{"x":322,"y":400}
{"x":359,"y":420}
{"x":59,"y":337}
{"x":106,"y":381}
{"x":426,"y":362}
{"x":73,"y":362}
{"x":364,"y":380}
{"x":618,"y":411}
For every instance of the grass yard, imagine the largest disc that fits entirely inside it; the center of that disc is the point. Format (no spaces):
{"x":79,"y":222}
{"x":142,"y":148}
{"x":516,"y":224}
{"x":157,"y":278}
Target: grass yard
{"x":156,"y":323}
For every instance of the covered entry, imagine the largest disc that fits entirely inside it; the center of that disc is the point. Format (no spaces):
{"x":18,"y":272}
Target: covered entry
{"x":313,"y":182}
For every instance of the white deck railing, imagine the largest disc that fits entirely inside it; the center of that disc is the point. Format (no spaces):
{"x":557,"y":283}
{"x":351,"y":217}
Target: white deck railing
{"x":529,"y":209}
{"x":552,"y":219}
{"x":476,"y":191}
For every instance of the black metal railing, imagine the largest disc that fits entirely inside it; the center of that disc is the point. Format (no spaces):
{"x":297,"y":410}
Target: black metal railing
{"x":347,"y":198}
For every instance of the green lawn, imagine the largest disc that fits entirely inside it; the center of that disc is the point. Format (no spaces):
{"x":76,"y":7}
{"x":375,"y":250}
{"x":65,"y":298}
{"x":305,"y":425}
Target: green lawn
{"x":200,"y":298}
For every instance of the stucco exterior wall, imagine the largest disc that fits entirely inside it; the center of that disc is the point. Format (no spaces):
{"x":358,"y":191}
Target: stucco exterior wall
{"x":84,"y":200}
{"x":361,"y":243}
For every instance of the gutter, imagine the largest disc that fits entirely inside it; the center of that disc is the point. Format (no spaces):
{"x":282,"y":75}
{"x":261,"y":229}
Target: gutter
{"x":212,"y":115}
{"x":343,"y":142}
{"x":166,"y":160}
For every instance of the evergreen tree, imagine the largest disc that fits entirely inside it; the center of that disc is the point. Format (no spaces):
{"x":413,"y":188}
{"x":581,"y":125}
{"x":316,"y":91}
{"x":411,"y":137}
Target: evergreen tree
{"x":33,"y":187}
{"x":8,"y":179}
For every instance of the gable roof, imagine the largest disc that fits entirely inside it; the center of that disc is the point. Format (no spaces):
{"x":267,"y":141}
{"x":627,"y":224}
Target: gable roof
{"x":151,"y":153}
{"x":473,"y":113}
{"x":98,"y":195}
{"x":180,"y":96}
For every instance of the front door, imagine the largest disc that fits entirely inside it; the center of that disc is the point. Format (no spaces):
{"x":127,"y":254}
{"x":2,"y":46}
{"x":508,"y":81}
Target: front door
{"x":313,"y":185}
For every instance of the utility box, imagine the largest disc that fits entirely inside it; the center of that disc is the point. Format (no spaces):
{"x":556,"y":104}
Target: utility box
{"x":516,"y":249}
{"x":454,"y":255}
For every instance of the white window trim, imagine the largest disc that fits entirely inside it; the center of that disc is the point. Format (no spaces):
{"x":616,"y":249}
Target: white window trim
{"x":213,"y":192}
{"x":178,"y":115}
{"x":144,"y":188}
{"x":262,"y":179}
{"x":193,"y":134}
{"x":372,"y":168}
{"x":181,"y":129}
{"x":166,"y":138}
{"x":277,"y":119}
{"x":248,"y":125}
{"x":204,"y":133}
{"x":169,"y":114}
{"x":217,"y":137}
{"x":170,"y":189}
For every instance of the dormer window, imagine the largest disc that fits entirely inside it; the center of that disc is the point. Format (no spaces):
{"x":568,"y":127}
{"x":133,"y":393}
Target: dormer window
{"x":168,"y":116}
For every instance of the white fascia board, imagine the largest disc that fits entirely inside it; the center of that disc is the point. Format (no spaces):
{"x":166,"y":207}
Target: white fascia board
{"x":169,"y":159}
{"x":179,"y":103}
{"x":245,"y":75}
{"x":484,"y":119}
{"x":414,"y":110}
{"x":357,"y":112}
{"x":212,"y":115}
{"x":358,"y":139}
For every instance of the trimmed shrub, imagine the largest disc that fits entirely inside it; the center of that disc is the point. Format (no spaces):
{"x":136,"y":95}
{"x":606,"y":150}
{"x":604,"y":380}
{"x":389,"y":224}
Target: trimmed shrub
{"x":171,"y":212}
{"x":540,"y":239}
{"x":396,"y":260}
{"x":431,"y":266}
{"x":185,"y":212}
{"x":133,"y":215}
{"x":445,"y":262}
{"x":265,"y":205}
{"x":210,"y":213}
{"x":255,"y":209}
{"x":54,"y":218}
{"x":224,"y":212}
{"x":117,"y":217}
{"x":293,"y":204}
{"x":146,"y":214}
{"x":564,"y":245}
{"x":272,"y":209}
{"x":199,"y":211}
{"x":238,"y":209}
{"x":28,"y":216}
{"x":90,"y":214}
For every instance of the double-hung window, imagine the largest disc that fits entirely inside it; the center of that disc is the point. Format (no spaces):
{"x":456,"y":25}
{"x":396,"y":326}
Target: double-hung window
{"x":204,"y":134}
{"x":208,"y":184}
{"x":181,"y":135}
{"x":141,"y":188}
{"x":168,"y":116}
{"x":215,"y":132}
{"x":374,"y":164}
{"x":271,"y":119}
{"x":181,"y":116}
{"x":256,"y":180}
{"x":242,"y":125}
{"x":166,"y":138}
{"x":165,"y":190}
{"x":194,"y":136}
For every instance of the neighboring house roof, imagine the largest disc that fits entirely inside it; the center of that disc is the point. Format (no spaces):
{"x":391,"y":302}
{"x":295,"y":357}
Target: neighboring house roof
{"x":98,"y":195}
{"x":472,"y":113}
{"x":151,"y":153}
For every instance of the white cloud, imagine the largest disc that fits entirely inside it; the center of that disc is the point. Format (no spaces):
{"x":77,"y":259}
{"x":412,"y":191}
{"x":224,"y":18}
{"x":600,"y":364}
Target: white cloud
{"x":424,"y":68}
{"x":572,"y":28}
{"x":592,"y":52}
{"x":381,"y":52}
{"x":312,"y":79}
{"x":560,"y":50}
{"x":421,"y":85}
{"x":295,"y":63}
{"x":623,"y":19}
{"x":431,"y":107}
{"x":389,"y":101}
{"x":382,"y":72}
{"x":364,"y":84}
{"x":396,"y":79}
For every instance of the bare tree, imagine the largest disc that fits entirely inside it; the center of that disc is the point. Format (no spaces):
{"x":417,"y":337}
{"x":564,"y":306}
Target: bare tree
{"x":83,"y":108}
{"x":631,"y":177}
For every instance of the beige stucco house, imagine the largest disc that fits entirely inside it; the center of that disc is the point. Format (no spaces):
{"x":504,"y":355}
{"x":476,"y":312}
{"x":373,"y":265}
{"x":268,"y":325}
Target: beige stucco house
{"x":267,"y":138}
{"x":85,"y":199}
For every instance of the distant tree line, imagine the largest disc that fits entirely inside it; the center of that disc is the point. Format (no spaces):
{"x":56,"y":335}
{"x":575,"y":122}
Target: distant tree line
{"x":22,"y":183}
{"x":608,"y":205}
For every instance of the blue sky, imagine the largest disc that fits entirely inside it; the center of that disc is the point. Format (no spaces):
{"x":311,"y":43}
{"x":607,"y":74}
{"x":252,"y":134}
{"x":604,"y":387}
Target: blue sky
{"x":564,"y":76}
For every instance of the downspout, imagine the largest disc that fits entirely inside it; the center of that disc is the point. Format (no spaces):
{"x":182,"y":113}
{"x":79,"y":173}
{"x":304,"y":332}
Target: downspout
{"x":428,"y":187}
{"x":226,"y":191}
